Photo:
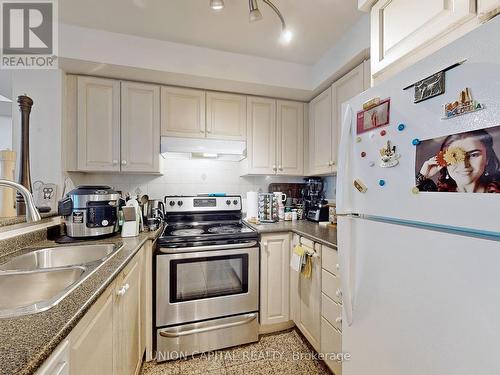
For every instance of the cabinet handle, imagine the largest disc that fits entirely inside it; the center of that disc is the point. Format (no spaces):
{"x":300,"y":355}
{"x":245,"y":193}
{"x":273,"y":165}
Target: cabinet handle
{"x":280,"y":167}
{"x":124,"y":162}
{"x":209,"y":131}
{"x":330,"y":163}
{"x":274,"y":168}
{"x":338,"y":319}
{"x":337,"y":267}
{"x":338,"y":293}
{"x":123,"y":290}
{"x":115,"y":161}
{"x":202,"y":131}
{"x":333,"y":163}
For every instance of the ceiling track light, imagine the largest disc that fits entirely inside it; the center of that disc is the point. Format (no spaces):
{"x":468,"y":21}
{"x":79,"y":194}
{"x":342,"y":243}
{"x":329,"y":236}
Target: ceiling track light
{"x":255,"y":15}
{"x":217,"y":4}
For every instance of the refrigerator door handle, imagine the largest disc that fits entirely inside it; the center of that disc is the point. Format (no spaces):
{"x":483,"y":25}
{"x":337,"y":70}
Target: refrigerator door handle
{"x":343,"y":204}
{"x":345,"y":248}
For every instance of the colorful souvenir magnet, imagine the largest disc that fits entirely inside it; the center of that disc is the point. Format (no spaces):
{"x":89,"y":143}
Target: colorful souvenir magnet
{"x":464,"y":104}
{"x":371,"y":164}
{"x":383,"y":132}
{"x":401,"y":127}
{"x":429,"y":87}
{"x":360,"y":186}
{"x":389,"y":156}
{"x":371,"y":103}
{"x":381,"y":182}
{"x":415,"y":142}
{"x":358,"y":139}
{"x":374,"y":117}
{"x":363,"y":154}
{"x":415,"y":190}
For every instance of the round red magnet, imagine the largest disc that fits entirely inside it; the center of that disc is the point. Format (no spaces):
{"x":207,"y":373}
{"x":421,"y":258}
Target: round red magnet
{"x":363,"y":154}
{"x":383,"y":132}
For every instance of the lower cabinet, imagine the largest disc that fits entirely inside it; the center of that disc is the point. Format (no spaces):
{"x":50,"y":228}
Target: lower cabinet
{"x":274,"y":278}
{"x":92,"y":341}
{"x":309,"y":302}
{"x":112,"y":336}
{"x":127,"y":320}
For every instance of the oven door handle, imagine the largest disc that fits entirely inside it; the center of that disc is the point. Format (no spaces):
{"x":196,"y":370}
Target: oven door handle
{"x":173,"y":334}
{"x":168,"y":250}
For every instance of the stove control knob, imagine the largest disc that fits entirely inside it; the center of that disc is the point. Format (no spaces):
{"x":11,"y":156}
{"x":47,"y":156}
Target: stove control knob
{"x":235,"y":202}
{"x":180,"y":203}
{"x":171,"y":203}
{"x":228,"y":202}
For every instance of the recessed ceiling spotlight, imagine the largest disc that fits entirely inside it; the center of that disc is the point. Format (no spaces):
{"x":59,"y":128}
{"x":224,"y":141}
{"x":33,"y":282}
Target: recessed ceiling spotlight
{"x":217,"y":4}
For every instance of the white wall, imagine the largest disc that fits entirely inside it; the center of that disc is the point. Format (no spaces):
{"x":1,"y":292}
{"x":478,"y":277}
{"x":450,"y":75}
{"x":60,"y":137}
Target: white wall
{"x":45,"y":88}
{"x":5,"y":133}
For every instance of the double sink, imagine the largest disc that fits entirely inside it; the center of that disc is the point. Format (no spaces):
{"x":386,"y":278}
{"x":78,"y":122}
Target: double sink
{"x":39,"y":280}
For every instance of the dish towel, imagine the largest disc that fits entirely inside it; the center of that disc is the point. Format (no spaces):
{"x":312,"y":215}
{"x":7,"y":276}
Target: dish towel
{"x":301,"y":262}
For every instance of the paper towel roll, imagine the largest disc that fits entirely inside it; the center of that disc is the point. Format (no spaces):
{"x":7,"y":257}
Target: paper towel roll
{"x":252,"y":204}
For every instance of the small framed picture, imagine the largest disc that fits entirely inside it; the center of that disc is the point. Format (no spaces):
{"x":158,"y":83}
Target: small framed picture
{"x":373,"y":117}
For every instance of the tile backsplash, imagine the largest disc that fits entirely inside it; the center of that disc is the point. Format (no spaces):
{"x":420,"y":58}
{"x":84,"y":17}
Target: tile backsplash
{"x":189,"y":177}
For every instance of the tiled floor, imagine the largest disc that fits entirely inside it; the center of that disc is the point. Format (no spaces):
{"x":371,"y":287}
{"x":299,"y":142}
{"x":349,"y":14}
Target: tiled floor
{"x":274,"y":354}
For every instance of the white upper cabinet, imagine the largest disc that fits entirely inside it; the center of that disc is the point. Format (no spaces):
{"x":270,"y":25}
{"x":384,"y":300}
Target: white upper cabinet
{"x":140,"y":119}
{"x":98,"y":124}
{"x":182,"y":112}
{"x":290,"y":134}
{"x":226,"y":116}
{"x":344,"y":89}
{"x":261,"y":136}
{"x":325,"y":119}
{"x":320,"y":134}
{"x":488,"y":7}
{"x":401,"y":27}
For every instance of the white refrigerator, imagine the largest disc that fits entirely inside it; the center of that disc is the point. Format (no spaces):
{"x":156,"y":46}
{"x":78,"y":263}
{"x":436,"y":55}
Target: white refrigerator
{"x":421,"y":270}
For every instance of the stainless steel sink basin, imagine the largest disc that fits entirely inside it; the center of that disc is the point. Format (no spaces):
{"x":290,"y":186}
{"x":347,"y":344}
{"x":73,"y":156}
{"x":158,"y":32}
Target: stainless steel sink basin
{"x":26,"y":292}
{"x":62,"y":256}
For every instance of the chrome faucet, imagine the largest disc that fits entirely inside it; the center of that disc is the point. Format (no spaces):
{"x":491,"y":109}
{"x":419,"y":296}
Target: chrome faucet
{"x":32,"y":213}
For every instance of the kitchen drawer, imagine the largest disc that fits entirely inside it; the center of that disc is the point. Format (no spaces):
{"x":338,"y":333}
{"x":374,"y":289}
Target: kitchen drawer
{"x":331,"y":343}
{"x":331,"y":311}
{"x":330,"y":285}
{"x":330,"y":260}
{"x":307,"y":242}
{"x":58,"y":362}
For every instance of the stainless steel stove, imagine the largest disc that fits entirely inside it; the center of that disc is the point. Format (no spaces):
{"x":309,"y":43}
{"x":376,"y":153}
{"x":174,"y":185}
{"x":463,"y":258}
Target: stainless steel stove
{"x":207,"y":277}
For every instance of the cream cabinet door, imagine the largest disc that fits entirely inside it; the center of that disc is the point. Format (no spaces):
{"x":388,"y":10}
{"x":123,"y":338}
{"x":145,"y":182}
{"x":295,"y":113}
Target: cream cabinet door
{"x":309,"y":319}
{"x":290,"y":136}
{"x":401,"y":27}
{"x":128,"y":351}
{"x":320,"y":133}
{"x":344,"y":89}
{"x":487,"y":8}
{"x":274,"y":278}
{"x":182,"y":112}
{"x":226,"y":116}
{"x":92,"y":340}
{"x":98,"y":124}
{"x":140,"y":127}
{"x":261,"y":135}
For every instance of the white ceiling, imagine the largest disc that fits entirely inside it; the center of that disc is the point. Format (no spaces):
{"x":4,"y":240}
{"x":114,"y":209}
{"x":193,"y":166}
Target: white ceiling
{"x":316,"y":24}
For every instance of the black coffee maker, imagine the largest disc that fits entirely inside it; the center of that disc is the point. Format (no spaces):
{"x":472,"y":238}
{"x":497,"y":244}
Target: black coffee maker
{"x":315,"y":208}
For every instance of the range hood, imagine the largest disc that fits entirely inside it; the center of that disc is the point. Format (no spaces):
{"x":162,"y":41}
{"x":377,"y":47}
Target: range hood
{"x":203,"y":148}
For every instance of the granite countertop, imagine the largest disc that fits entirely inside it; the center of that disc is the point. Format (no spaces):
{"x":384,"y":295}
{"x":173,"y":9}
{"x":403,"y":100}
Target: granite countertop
{"x":27,"y":341}
{"x":322,"y":234}
{"x":5,"y":221}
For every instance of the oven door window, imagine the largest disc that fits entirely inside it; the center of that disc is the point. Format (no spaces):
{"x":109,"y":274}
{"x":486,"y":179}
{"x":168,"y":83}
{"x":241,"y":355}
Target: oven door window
{"x":207,"y":277}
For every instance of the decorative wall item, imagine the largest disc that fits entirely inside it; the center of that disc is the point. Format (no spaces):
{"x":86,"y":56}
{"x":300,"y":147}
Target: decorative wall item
{"x":466,"y":162}
{"x":374,"y":117}
{"x":388,"y":155}
{"x":429,"y":87}
{"x":464,"y":104}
